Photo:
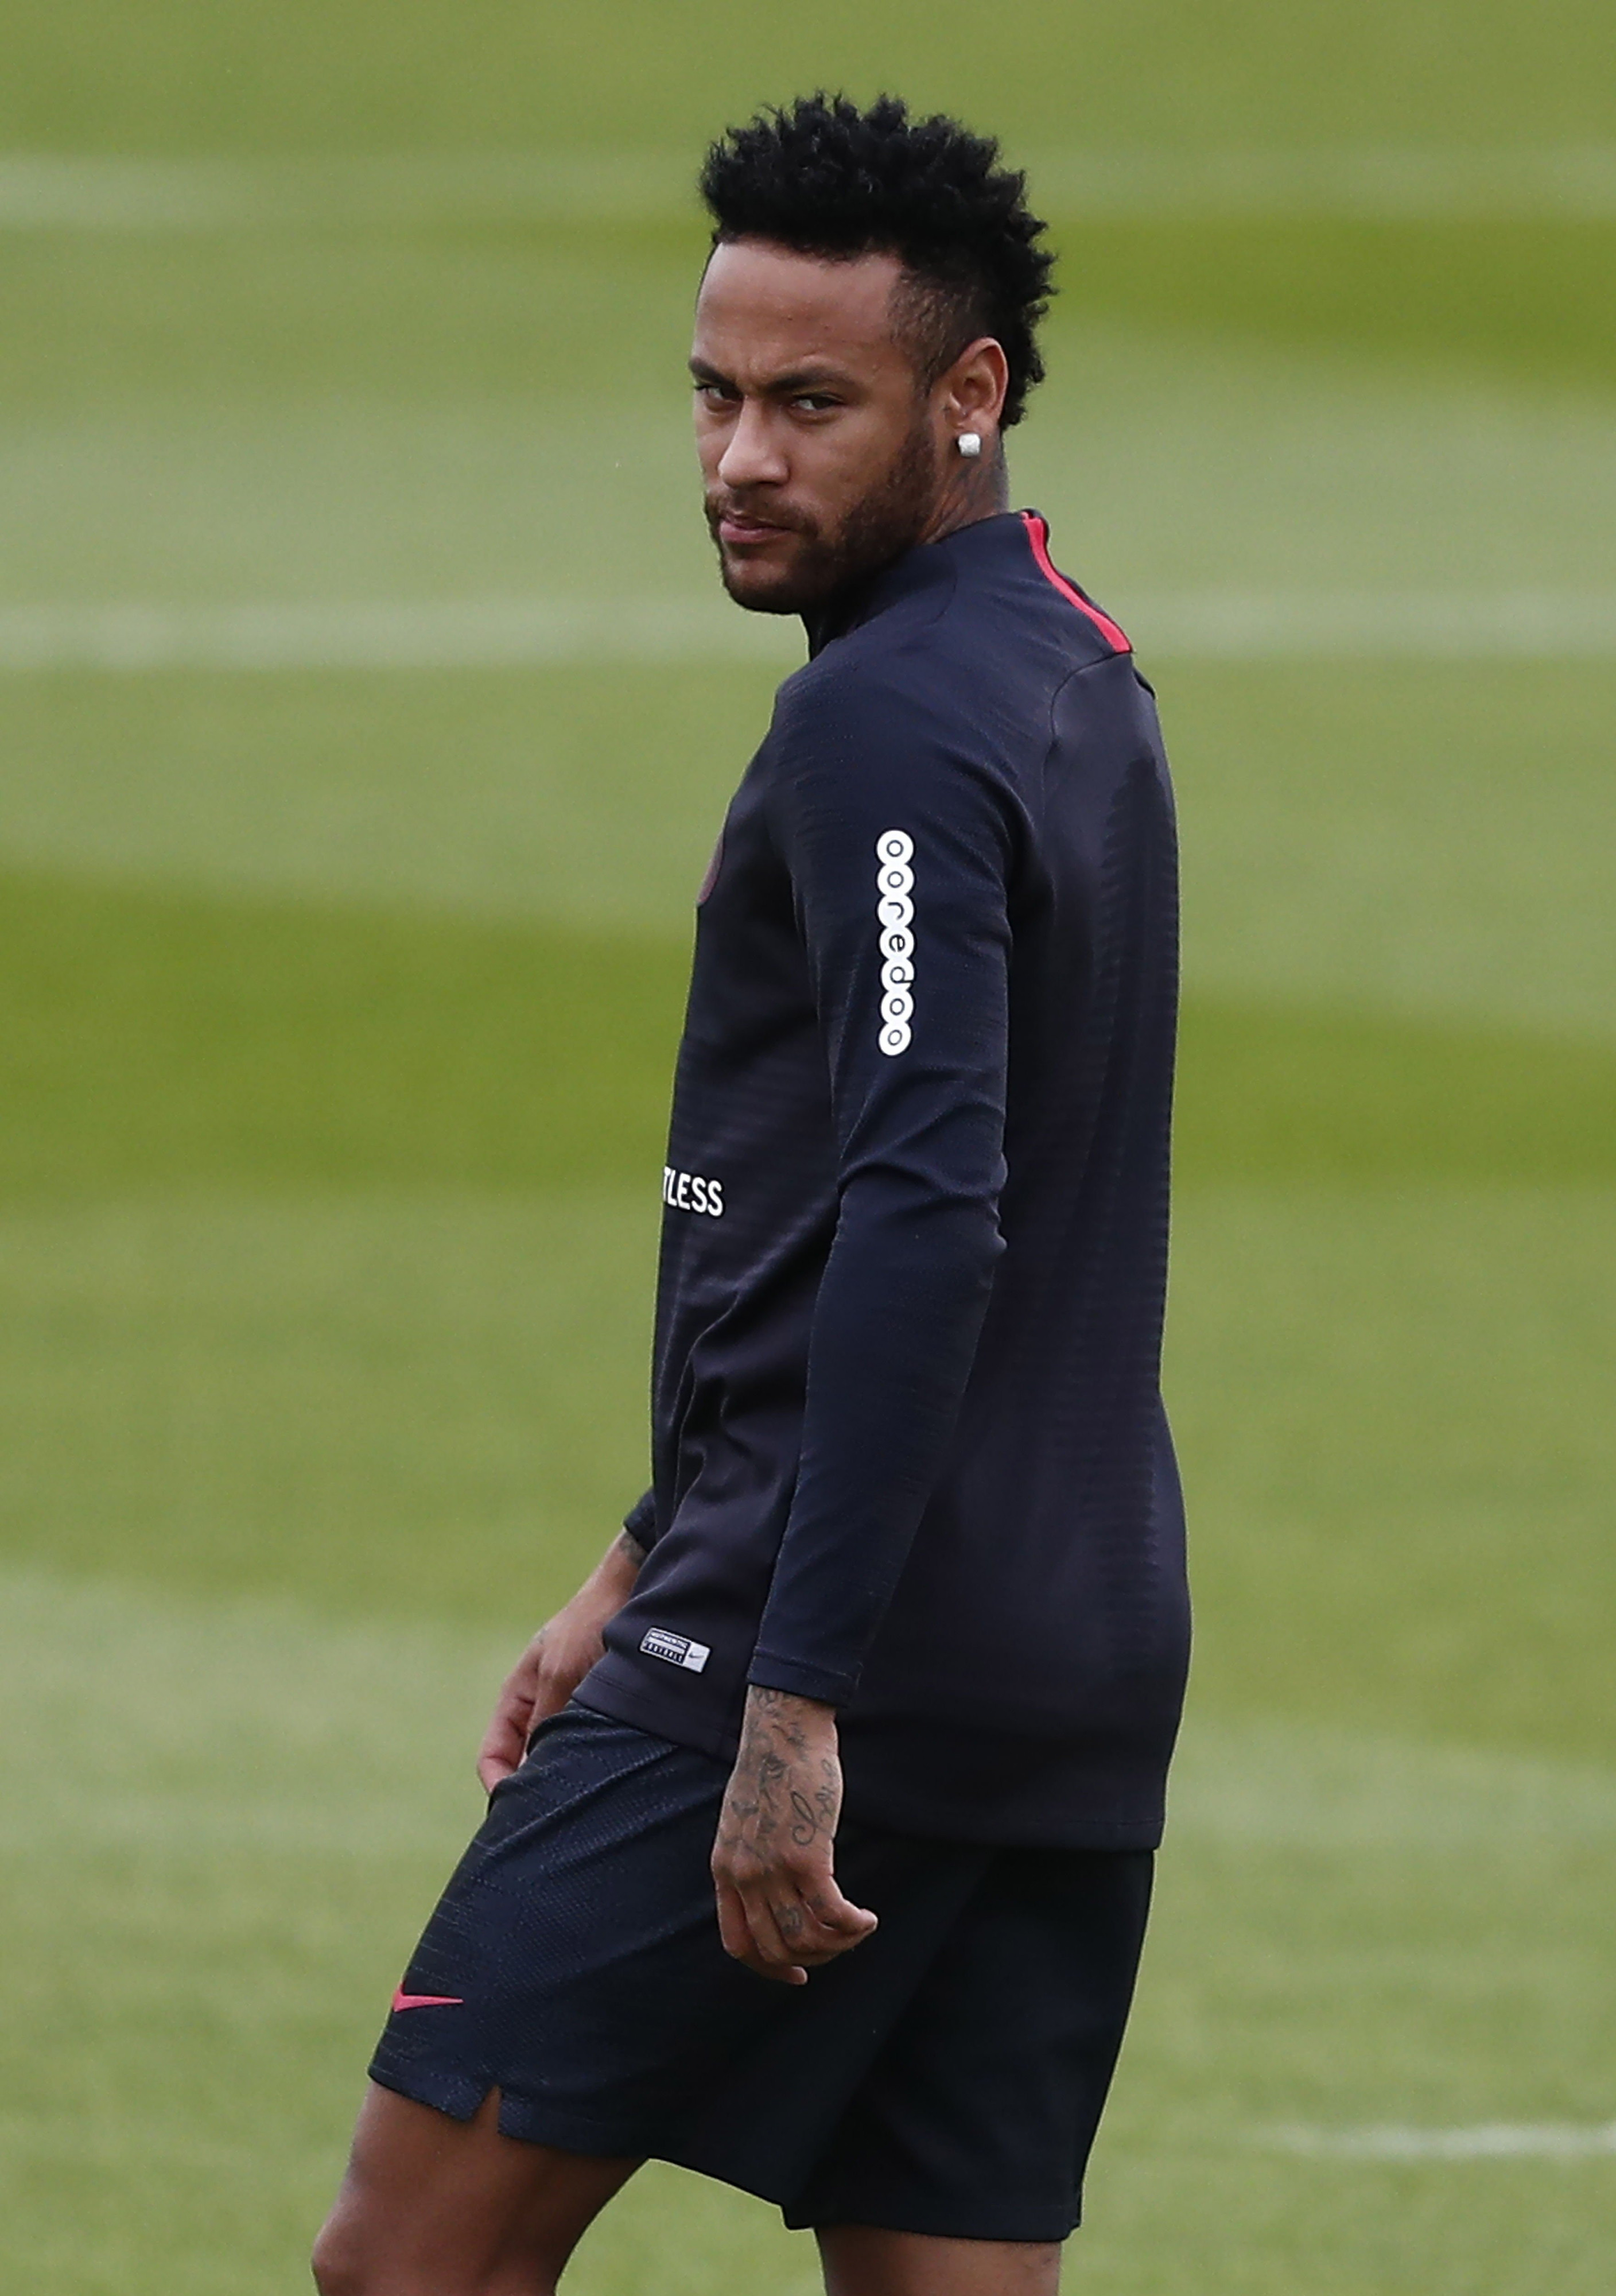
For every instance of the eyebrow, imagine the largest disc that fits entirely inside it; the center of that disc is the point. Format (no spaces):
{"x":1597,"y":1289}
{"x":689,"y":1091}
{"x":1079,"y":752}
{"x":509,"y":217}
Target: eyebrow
{"x":784,"y":385}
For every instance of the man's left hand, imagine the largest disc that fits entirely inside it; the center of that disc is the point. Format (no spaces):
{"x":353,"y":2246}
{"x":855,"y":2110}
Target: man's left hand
{"x":780,"y":1910}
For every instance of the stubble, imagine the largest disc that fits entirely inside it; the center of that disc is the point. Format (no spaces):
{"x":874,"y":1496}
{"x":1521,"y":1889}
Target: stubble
{"x":888,"y":520}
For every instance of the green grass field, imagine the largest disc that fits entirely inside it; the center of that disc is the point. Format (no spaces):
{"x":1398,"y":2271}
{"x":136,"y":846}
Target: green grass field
{"x":365,"y":717}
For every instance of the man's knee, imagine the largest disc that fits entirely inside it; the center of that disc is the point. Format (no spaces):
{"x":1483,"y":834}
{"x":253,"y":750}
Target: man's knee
{"x":338,"y":2261}
{"x":431,"y":2206}
{"x":345,"y":2265}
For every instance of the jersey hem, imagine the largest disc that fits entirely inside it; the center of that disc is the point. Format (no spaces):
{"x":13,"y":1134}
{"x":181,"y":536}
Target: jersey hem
{"x":814,"y":1682}
{"x":611,"y":1690}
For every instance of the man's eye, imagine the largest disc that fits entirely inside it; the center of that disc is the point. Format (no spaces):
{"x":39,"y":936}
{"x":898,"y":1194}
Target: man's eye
{"x":816,"y":402}
{"x":716,"y":394}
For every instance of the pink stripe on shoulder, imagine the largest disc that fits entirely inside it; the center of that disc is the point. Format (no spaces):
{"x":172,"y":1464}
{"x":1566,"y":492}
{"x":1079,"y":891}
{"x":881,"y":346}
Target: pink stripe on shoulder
{"x":1038,"y":535}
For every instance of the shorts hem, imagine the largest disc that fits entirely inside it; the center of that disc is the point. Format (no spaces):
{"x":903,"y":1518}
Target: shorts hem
{"x":454,"y":2094}
{"x":1029,"y":2227}
{"x":954,"y":2218}
{"x":462,"y":2098}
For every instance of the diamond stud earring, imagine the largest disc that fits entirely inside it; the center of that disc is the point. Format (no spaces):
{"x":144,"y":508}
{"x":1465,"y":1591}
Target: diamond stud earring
{"x":969,"y":444}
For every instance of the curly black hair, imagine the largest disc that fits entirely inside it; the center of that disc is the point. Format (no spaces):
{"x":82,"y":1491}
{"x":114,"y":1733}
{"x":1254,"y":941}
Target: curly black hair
{"x":824,"y":179}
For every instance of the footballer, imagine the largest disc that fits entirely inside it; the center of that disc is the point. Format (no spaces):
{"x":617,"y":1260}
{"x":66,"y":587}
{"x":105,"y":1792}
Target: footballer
{"x":818,"y":1847}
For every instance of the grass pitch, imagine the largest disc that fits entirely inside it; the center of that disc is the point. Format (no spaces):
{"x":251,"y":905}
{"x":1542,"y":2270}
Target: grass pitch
{"x":339,"y":1006}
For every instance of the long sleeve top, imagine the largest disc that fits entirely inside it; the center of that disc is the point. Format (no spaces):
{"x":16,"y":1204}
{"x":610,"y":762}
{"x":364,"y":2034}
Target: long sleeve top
{"x":908,"y":1446}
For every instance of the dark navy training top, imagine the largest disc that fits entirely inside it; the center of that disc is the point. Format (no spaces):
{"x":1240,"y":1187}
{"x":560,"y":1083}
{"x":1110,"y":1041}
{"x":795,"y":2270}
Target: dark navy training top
{"x":909,"y":1446}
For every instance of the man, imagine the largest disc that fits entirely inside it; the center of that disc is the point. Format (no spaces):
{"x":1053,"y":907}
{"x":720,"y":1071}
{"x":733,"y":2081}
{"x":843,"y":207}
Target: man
{"x":915,"y":1509}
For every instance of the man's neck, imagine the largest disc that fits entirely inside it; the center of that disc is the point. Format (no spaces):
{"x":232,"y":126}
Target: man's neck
{"x":972,"y":492}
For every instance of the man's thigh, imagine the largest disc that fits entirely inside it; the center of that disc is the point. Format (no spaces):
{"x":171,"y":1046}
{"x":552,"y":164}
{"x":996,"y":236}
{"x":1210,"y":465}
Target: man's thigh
{"x":431,"y":2206}
{"x":574,"y":1961}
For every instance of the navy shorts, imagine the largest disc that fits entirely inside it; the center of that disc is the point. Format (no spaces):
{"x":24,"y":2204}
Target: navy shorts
{"x":946,"y":2077}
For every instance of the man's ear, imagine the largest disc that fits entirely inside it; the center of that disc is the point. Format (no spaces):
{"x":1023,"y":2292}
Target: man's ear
{"x":971,"y":394}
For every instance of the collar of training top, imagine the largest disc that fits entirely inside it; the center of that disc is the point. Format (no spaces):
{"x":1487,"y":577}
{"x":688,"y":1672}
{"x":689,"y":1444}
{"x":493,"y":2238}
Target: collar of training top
{"x":928,"y":563}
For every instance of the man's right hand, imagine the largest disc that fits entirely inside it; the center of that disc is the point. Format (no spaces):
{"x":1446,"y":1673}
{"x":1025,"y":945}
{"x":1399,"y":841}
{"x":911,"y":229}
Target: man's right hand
{"x":556,"y":1661}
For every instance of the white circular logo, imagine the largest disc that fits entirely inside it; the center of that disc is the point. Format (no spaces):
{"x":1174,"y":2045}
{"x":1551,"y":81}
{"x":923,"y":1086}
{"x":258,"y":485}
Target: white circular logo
{"x":896,"y":914}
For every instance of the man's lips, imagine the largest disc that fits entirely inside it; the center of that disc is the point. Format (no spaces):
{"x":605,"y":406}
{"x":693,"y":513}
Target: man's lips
{"x":736,"y":530}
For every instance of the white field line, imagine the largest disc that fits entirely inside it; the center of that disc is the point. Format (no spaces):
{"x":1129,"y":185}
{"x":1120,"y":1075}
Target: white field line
{"x":448,"y":634}
{"x":488,"y":634}
{"x":1489,"y":2141}
{"x":1425,"y":624}
{"x":51,"y":192}
{"x":1573,"y":182}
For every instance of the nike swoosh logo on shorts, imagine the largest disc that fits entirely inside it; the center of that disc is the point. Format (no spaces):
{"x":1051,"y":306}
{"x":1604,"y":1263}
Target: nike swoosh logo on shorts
{"x":401,"y":2000}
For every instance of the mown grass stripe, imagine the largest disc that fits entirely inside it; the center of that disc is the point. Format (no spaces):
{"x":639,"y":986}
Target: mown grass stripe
{"x":92,"y":191}
{"x":1488,"y":2141}
{"x":502,"y":632}
{"x":154,"y":1037}
{"x":437,"y":634}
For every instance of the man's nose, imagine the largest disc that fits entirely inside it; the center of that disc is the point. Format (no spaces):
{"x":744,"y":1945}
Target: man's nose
{"x":752,"y":453}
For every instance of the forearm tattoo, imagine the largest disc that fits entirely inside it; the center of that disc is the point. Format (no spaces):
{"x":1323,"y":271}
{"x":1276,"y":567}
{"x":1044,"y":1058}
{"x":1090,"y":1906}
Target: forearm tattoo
{"x":780,"y":1785}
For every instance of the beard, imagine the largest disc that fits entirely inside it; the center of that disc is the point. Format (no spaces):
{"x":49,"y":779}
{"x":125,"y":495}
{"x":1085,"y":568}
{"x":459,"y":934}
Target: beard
{"x":889,"y":520}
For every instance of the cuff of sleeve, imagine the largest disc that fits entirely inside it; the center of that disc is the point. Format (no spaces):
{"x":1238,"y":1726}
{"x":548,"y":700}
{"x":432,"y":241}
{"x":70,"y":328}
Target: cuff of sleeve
{"x":799,"y":1681}
{"x":641,"y":1522}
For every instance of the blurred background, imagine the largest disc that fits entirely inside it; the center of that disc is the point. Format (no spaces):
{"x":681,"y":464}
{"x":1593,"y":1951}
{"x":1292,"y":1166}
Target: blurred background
{"x":366,"y":713}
